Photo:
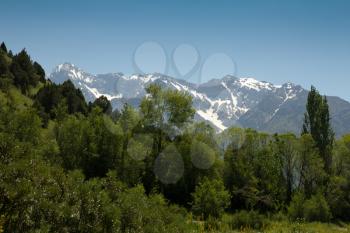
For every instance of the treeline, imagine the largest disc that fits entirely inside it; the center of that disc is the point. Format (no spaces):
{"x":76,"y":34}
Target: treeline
{"x":69,"y":166}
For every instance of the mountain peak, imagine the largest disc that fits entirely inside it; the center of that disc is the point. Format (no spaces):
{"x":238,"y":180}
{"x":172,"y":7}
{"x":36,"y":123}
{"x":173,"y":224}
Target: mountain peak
{"x":72,"y":71}
{"x":66,"y":66}
{"x":254,"y":84}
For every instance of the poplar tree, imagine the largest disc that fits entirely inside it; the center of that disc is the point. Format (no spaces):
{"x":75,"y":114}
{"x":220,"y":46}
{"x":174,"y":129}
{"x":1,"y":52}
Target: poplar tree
{"x":317,"y":123}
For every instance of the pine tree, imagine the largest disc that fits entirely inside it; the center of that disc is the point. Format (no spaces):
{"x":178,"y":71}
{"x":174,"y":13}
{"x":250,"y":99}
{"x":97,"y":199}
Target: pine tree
{"x":39,"y":71}
{"x":3,"y":47}
{"x":23,"y":71}
{"x":3,"y":65}
{"x":104,"y":104}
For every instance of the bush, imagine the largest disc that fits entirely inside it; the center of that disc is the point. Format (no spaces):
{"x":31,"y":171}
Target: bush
{"x":317,"y":209}
{"x":247,"y":219}
{"x":210,"y":199}
{"x":313,"y":209}
{"x":279,"y":217}
{"x":296,"y":207}
{"x":338,"y":198}
{"x":149,"y":214}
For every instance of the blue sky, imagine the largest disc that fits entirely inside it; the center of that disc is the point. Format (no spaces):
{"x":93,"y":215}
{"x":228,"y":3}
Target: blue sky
{"x":302,"y":41}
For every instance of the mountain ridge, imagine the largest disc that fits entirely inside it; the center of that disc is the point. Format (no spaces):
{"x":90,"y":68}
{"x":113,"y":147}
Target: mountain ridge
{"x":223,"y":102}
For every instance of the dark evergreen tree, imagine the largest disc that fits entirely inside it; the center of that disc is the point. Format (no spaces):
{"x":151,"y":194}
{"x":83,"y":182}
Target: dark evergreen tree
{"x":51,"y":95}
{"x":75,"y":98}
{"x":21,"y":79}
{"x":6,"y":78}
{"x":3,"y":47}
{"x":103,"y":103}
{"x":3,"y":65}
{"x":26,"y":64}
{"x":39,"y":71}
{"x":10,"y":53}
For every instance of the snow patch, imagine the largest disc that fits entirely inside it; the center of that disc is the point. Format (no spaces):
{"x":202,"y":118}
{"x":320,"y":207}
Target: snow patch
{"x":97,"y":94}
{"x":211,"y":116}
{"x":255,"y":84}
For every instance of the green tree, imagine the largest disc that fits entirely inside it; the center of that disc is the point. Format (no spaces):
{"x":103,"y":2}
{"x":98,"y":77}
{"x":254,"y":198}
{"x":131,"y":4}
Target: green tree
{"x":210,"y":198}
{"x":165,"y":110}
{"x":129,"y":120}
{"x":253,"y":172}
{"x":309,"y":166}
{"x":288,"y":156}
{"x":164,"y":113}
{"x":317,"y":123}
{"x":338,"y":190}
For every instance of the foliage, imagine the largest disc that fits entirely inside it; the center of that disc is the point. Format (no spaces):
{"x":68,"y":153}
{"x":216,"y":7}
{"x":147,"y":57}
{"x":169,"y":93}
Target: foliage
{"x":296,"y":207}
{"x":247,"y":220}
{"x":210,"y":199}
{"x":66,"y":166}
{"x":103,"y":103}
{"x":317,"y":209}
{"x":314,"y":209}
{"x":52,"y":96}
{"x":317,"y":123}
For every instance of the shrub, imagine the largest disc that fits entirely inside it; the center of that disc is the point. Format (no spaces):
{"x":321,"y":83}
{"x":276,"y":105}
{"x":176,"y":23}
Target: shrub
{"x":296,"y":207}
{"x":149,"y":214}
{"x":313,"y":209}
{"x":210,"y":199}
{"x":247,"y":219}
{"x":338,"y":198}
{"x":317,"y":209}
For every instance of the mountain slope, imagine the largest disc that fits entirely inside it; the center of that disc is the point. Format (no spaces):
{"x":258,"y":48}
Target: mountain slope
{"x":225,"y":102}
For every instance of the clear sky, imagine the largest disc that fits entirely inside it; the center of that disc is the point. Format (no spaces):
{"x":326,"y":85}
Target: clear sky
{"x":302,"y":41}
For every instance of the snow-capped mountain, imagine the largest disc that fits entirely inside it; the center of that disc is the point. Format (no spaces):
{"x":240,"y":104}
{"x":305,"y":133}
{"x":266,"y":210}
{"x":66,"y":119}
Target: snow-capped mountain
{"x":225,"y":102}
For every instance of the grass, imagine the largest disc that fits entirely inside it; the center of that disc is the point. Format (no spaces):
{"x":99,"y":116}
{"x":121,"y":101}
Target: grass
{"x":286,"y":227}
{"x":270,"y":226}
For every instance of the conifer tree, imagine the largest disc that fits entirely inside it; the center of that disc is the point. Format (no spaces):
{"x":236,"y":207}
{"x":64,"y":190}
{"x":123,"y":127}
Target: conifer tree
{"x":3,"y":47}
{"x":39,"y":71}
{"x":104,"y":104}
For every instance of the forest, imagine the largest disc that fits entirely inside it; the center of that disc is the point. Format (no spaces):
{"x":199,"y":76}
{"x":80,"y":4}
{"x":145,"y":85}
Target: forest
{"x":71,"y":166}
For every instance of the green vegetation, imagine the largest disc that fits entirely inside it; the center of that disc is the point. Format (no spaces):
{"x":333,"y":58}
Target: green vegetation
{"x":210,"y":199}
{"x":71,"y":166}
